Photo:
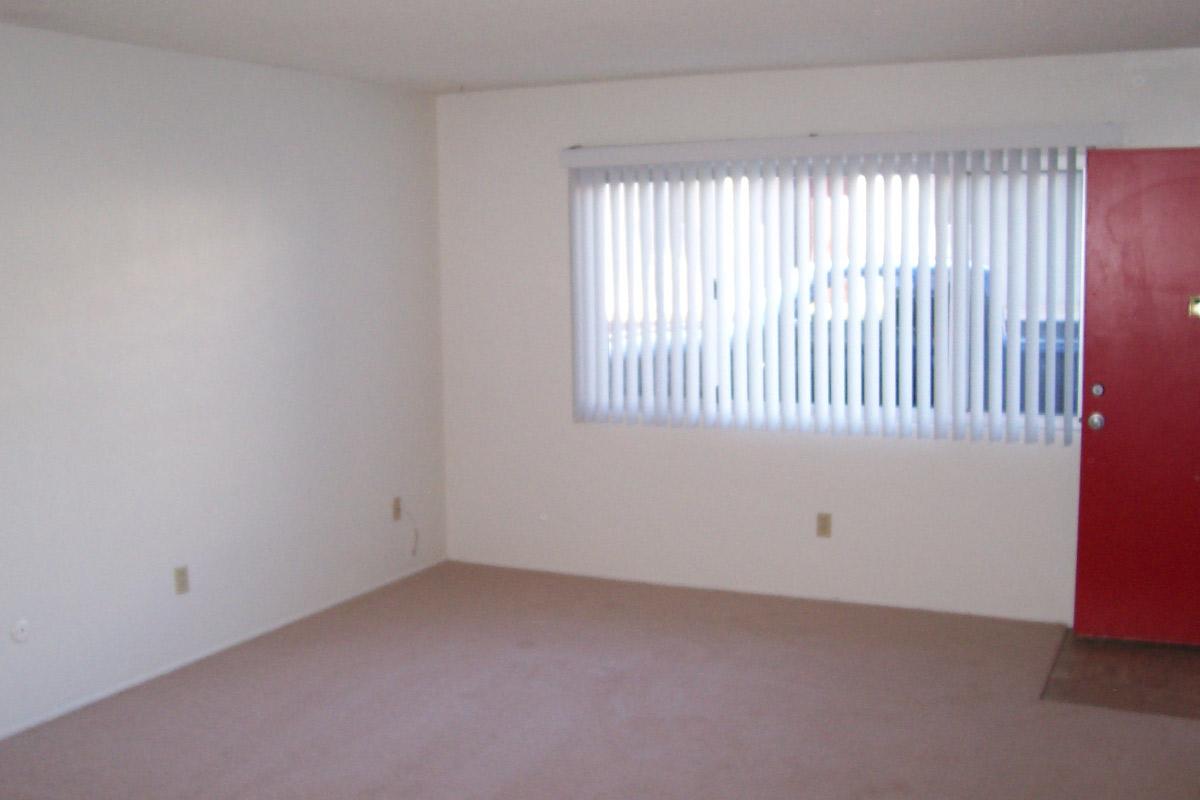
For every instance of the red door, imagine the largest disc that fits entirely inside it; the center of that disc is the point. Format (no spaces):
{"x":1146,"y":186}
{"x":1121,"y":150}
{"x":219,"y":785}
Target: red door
{"x":1139,"y":500}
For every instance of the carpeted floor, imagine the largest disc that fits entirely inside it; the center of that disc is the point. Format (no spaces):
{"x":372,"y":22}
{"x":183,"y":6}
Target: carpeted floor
{"x":477,"y":682}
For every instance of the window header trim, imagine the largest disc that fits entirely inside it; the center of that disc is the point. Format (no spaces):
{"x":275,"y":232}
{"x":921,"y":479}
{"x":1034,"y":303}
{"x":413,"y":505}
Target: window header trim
{"x":870,"y":144}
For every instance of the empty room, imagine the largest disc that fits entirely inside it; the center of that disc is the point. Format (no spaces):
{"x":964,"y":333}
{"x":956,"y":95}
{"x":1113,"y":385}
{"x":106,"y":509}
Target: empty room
{"x":530,"y":399}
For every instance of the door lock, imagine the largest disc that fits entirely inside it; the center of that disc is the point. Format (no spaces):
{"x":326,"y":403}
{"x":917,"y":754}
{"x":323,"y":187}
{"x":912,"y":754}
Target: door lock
{"x":1095,"y":420}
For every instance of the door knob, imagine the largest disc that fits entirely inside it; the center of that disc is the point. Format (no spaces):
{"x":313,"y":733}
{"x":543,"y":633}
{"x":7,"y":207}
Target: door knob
{"x":1095,"y":420}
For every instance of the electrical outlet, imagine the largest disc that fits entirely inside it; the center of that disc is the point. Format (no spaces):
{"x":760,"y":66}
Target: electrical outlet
{"x":396,"y":509}
{"x":20,"y":631}
{"x":824,"y":524}
{"x":416,"y":540}
{"x":182,"y":582}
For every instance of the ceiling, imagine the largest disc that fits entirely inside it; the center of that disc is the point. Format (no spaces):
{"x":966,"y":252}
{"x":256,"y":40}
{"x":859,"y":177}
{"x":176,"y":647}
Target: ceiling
{"x":445,"y":45}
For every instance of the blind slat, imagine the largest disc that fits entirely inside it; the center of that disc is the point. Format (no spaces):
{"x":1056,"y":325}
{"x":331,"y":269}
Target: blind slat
{"x":806,"y":275}
{"x":726,"y":249}
{"x":772,"y":324}
{"x":620,"y":256}
{"x":578,"y":291}
{"x":907,"y":262}
{"x":742,"y":277}
{"x":633,"y":324}
{"x":601,"y":264}
{"x":943,"y":412}
{"x":695,"y":293}
{"x":979,"y":247}
{"x":789,"y":280}
{"x":677,"y":282}
{"x":924,"y":356}
{"x":1017,"y":253}
{"x":708,"y":242}
{"x":962,"y":294}
{"x":892,"y":257}
{"x":755,"y":368}
{"x":1051,"y":324}
{"x":824,"y":311}
{"x":998,"y":276}
{"x":1035,"y":247}
{"x":874,"y":265}
{"x":837,"y":291}
{"x":855,"y":293}
{"x":651,"y":232}
{"x":1074,"y":226}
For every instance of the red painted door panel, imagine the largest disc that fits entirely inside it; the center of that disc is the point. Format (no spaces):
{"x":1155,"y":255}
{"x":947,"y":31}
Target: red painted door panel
{"x":1139,"y":505}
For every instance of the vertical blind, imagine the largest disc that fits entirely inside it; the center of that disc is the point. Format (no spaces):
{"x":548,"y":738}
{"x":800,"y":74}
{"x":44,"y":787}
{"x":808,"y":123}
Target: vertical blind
{"x":923,"y":293}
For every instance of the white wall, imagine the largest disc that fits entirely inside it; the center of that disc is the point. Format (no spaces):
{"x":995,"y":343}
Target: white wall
{"x":981,"y":528}
{"x":218,"y":347}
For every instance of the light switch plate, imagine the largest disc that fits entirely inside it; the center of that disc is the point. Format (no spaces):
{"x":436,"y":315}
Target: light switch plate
{"x":182,"y":582}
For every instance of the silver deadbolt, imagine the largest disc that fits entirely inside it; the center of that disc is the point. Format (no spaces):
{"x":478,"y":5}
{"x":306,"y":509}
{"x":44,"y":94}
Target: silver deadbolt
{"x":1097,"y":389}
{"x":1095,"y":420}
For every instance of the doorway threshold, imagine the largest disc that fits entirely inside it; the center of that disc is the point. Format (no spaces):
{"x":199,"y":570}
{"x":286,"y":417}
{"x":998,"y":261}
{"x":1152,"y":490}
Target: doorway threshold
{"x":1127,"y":676}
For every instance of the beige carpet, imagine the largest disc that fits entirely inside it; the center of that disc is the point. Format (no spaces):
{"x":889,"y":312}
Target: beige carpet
{"x":476,"y":682}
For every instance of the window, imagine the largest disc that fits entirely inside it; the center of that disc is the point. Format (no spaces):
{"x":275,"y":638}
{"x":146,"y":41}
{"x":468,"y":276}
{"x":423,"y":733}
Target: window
{"x":902,"y":291}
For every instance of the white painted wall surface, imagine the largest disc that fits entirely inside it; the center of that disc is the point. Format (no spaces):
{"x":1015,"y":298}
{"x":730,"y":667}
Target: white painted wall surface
{"x":218,"y":347}
{"x":979,"y":528}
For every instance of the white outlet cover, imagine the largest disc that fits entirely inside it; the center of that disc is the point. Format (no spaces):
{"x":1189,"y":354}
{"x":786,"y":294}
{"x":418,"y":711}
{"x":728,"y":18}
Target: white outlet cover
{"x":20,"y":631}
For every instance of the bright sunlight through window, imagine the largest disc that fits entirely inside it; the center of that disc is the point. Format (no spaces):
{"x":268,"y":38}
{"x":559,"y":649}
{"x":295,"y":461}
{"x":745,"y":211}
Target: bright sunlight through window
{"x":920,"y":293}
